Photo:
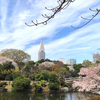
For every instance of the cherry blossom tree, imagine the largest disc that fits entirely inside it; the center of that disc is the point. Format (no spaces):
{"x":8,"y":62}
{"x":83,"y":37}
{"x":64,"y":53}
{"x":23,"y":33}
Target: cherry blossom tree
{"x":90,"y":83}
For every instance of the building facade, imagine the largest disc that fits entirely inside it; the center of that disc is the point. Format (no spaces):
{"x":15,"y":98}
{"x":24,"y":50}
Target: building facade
{"x":41,"y":53}
{"x":71,"y":61}
{"x":62,"y":60}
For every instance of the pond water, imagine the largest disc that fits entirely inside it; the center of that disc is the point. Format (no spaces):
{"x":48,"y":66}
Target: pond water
{"x":44,"y":96}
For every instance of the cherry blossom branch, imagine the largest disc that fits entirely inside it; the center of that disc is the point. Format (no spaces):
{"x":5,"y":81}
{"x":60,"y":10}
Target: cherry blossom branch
{"x":97,"y":12}
{"x":62,"y":4}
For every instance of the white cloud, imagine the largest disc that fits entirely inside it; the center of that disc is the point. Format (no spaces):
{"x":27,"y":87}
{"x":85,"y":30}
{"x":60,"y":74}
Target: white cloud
{"x":15,"y":34}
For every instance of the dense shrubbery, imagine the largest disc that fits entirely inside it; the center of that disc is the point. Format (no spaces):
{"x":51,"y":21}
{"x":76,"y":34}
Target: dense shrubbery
{"x":53,"y":82}
{"x":16,"y":74}
{"x":95,"y":98}
{"x":37,"y":88}
{"x":3,"y":83}
{"x":53,"y":86}
{"x":9,"y":77}
{"x":21,"y":83}
{"x":39,"y":77}
{"x":42,"y":82}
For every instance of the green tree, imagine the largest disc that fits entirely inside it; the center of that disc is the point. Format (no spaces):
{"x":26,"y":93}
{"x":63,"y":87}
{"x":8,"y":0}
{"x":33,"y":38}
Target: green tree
{"x":55,"y":68}
{"x":15,"y":54}
{"x":86,"y":63}
{"x":77,"y":67}
{"x":20,"y":83}
{"x":53,"y":77}
{"x":16,"y":74}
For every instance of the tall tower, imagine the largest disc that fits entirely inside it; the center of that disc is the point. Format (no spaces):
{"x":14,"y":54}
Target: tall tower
{"x":41,"y":53}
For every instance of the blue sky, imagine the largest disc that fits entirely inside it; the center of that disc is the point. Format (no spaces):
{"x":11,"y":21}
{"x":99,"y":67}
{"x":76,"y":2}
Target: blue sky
{"x":59,"y":38}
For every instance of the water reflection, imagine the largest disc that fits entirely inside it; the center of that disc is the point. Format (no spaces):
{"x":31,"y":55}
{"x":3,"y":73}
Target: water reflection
{"x":43,"y":96}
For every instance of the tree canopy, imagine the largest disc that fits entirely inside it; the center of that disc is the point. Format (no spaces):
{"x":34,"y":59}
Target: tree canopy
{"x":15,"y":54}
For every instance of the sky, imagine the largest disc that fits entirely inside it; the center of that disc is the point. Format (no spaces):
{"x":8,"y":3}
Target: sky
{"x":59,"y":38}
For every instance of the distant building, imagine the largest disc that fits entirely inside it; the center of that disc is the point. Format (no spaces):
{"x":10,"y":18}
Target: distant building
{"x":41,"y":53}
{"x":62,"y":60}
{"x":71,"y":61}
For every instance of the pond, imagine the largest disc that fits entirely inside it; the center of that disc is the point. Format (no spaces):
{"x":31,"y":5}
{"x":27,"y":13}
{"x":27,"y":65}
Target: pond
{"x":44,"y":96}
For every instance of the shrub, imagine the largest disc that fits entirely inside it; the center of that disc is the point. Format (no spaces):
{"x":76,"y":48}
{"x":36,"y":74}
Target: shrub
{"x":42,"y":82}
{"x":21,"y":83}
{"x":3,"y":83}
{"x":95,"y":98}
{"x":53,"y":77}
{"x":45,"y":76}
{"x":16,"y":74}
{"x":39,"y":77}
{"x":9,"y":77}
{"x":62,"y":83}
{"x":53,"y":86}
{"x":37,"y":88}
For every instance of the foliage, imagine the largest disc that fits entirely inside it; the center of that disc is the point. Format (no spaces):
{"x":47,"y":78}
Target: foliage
{"x":21,"y":65}
{"x":60,"y":64}
{"x":95,"y":98}
{"x":63,"y":69}
{"x":73,"y":73}
{"x":33,"y":76}
{"x":62,"y":83}
{"x":86,"y":63}
{"x":6,"y":68}
{"x":15,"y":54}
{"x":66,"y":67}
{"x":53,"y":77}
{"x":37,"y":88}
{"x":77,"y":67}
{"x":21,"y":83}
{"x":42,"y":82}
{"x":9,"y":77}
{"x":39,"y":77}
{"x":45,"y":75}
{"x":55,"y":68}
{"x":16,"y":74}
{"x":3,"y":83}
{"x":53,"y":86}
{"x":97,"y":62}
{"x":30,"y":64}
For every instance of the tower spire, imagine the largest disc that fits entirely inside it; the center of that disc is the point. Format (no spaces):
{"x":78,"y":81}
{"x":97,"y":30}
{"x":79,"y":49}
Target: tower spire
{"x":41,"y":45}
{"x":41,"y":53}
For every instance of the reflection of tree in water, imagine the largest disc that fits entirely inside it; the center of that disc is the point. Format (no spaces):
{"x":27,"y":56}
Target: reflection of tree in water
{"x":44,"y":96}
{"x":82,"y":96}
{"x":56,"y":96}
{"x":13,"y":96}
{"x":38,"y":96}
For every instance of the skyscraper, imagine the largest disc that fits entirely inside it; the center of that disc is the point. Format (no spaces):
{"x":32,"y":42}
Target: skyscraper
{"x":71,"y":61}
{"x":41,"y":53}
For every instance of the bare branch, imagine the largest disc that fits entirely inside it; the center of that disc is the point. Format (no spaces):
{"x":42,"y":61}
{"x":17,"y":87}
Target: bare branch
{"x":62,"y":4}
{"x":97,"y":10}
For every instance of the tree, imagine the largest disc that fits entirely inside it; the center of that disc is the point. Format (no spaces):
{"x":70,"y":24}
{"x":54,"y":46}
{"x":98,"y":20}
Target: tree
{"x":15,"y":54}
{"x":55,"y":68}
{"x":77,"y":67}
{"x":86,"y":63}
{"x":62,"y":4}
{"x":20,"y":83}
{"x":60,"y":64}
{"x":53,"y":81}
{"x":90,"y":83}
